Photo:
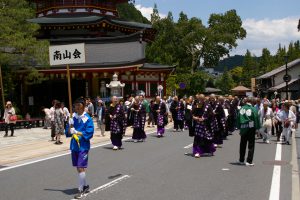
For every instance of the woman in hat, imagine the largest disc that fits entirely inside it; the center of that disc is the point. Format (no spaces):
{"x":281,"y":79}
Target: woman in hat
{"x":9,"y":118}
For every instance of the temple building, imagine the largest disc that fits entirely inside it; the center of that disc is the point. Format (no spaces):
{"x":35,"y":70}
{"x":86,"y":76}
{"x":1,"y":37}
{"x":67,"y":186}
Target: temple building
{"x":112,"y":46}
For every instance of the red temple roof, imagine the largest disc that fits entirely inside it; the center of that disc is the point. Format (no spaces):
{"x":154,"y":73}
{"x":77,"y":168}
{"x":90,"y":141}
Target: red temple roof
{"x":57,"y":7}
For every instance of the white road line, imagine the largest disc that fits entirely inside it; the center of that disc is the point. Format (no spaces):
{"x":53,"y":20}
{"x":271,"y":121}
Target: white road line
{"x":275,"y":186}
{"x":107,"y":185}
{"x":225,"y":169}
{"x":60,"y":155}
{"x":188,"y":146}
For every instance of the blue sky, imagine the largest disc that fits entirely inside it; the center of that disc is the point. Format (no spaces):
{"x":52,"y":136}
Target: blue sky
{"x":268,"y":22}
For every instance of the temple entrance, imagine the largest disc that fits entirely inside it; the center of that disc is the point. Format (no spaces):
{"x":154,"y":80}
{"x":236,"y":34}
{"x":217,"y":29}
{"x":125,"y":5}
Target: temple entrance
{"x":78,"y":89}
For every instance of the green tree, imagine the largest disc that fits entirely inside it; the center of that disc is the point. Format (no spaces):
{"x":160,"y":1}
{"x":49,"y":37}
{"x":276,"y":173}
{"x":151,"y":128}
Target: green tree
{"x":210,"y":83}
{"x":266,"y":61}
{"x":279,"y":57}
{"x":162,"y":50}
{"x":250,"y":69}
{"x":189,"y":44}
{"x":225,"y":83}
{"x":294,"y":51}
{"x":128,"y":12}
{"x":207,"y":45}
{"x":237,"y":74}
{"x":198,"y":81}
{"x":155,"y":15}
{"x":18,"y":46}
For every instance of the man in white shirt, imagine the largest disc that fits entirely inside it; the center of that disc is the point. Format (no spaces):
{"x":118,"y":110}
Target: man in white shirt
{"x":288,"y":118}
{"x":266,"y":114}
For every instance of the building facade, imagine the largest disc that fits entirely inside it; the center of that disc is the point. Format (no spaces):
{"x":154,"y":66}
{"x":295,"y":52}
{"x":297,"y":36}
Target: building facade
{"x":272,"y":84}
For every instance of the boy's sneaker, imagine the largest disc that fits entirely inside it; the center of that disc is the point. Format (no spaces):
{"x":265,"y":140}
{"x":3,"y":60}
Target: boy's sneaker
{"x":79,"y":195}
{"x":249,"y":164}
{"x":86,"y":189}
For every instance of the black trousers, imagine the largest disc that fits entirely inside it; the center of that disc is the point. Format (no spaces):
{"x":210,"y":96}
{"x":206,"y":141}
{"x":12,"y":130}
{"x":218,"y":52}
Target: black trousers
{"x":11,"y":126}
{"x":248,"y":137}
{"x":189,"y":123}
{"x":52,"y":129}
{"x":230,"y":123}
{"x":178,"y":124}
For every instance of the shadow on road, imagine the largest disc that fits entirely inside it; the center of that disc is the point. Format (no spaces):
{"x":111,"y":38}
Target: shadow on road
{"x":236,"y":164}
{"x":111,"y":148}
{"x":204,"y":155}
{"x":66,"y":191}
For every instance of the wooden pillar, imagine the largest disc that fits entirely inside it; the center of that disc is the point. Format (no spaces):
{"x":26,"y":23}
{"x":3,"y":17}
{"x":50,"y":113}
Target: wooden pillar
{"x":95,"y":85}
{"x":165,"y":85}
{"x":159,"y":79}
{"x":146,"y":88}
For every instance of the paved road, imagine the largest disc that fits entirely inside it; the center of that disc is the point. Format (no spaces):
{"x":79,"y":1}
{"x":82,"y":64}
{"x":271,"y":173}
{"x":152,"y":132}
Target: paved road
{"x":157,"y":169}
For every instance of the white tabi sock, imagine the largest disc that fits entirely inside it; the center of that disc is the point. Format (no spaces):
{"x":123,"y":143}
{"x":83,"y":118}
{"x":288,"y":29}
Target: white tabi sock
{"x":82,"y":181}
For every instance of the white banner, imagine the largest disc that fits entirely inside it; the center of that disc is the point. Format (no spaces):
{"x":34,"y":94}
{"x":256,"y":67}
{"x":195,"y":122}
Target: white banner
{"x":67,"y":54}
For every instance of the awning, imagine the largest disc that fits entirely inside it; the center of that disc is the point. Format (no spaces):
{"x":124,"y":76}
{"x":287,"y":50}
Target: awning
{"x":282,"y":85}
{"x":212,"y":90}
{"x":240,"y":89}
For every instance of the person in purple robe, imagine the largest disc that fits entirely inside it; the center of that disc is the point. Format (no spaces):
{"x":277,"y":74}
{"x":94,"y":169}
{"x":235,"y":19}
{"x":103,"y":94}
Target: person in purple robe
{"x":139,"y":119}
{"x":203,"y":140}
{"x":177,"y":110}
{"x":117,"y":123}
{"x":231,"y":106}
{"x":220,"y":117}
{"x":161,"y":113}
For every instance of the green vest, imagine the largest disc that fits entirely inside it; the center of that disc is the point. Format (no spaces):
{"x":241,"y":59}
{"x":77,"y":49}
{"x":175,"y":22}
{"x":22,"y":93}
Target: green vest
{"x":247,"y":118}
{"x":147,"y":106}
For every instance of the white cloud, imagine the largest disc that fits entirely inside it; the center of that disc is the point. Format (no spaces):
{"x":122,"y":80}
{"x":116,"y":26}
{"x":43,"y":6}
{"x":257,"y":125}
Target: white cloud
{"x":147,"y":11}
{"x":269,"y":34}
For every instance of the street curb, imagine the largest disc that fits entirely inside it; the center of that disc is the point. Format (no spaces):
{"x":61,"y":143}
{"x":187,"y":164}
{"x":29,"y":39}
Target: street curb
{"x":295,"y":170}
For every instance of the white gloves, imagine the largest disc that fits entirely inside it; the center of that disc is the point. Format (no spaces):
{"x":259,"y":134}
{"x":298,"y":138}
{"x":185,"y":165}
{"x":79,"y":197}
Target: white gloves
{"x":73,"y":131}
{"x":71,"y":121}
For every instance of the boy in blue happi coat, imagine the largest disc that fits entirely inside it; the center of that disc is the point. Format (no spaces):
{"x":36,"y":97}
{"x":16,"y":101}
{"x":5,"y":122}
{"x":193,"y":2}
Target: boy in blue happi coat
{"x":81,"y":129}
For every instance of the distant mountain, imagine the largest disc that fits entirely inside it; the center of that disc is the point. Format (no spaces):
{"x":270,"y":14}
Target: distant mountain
{"x":130,"y":13}
{"x":230,"y":63}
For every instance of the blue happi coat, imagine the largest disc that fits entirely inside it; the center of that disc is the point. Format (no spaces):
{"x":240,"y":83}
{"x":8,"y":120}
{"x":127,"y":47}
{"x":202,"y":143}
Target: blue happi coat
{"x":85,"y":125}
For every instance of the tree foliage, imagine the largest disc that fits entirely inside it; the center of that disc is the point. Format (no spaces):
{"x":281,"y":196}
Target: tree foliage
{"x":18,"y":46}
{"x":225,"y":82}
{"x":130,"y":13}
{"x":189,"y":44}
